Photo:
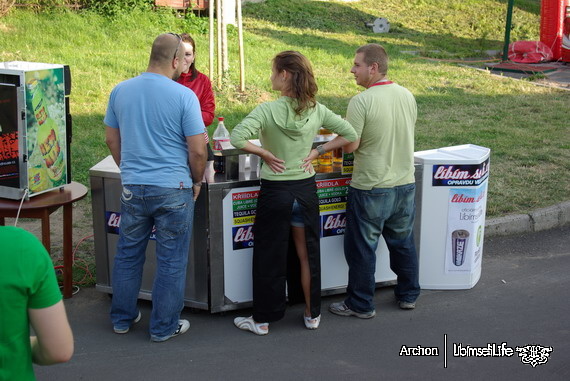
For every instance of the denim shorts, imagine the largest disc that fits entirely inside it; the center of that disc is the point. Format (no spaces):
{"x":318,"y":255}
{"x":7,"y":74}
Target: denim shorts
{"x":297,"y":216}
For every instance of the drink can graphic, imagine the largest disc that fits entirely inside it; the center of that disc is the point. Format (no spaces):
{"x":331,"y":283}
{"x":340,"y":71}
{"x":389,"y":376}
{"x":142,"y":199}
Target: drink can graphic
{"x":459,"y":240}
{"x":38,"y":179}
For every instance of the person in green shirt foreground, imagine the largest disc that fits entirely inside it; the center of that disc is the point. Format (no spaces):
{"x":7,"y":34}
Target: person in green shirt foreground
{"x":29,"y":294}
{"x":288,"y":204}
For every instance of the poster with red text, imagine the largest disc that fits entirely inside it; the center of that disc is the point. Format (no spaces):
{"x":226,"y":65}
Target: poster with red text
{"x":465,"y":229}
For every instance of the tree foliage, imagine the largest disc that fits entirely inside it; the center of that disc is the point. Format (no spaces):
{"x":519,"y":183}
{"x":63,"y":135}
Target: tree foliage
{"x":111,"y":8}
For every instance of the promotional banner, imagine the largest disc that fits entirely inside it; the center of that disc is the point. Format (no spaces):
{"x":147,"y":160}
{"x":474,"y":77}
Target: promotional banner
{"x":9,"y":152}
{"x":46,"y":132}
{"x":465,"y":229}
{"x":238,"y":214}
{"x":242,"y":203}
{"x":468,"y":175}
{"x":113,"y":224}
{"x":243,"y":207}
{"x":347,"y":163}
{"x":238,"y":208}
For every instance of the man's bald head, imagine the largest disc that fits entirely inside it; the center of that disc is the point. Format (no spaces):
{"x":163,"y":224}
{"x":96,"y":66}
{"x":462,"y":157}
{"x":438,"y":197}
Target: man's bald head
{"x":164,"y":49}
{"x":167,"y":56}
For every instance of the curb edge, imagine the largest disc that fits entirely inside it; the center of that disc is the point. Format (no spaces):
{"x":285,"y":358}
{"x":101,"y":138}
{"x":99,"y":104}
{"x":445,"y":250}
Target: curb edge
{"x":541,"y":219}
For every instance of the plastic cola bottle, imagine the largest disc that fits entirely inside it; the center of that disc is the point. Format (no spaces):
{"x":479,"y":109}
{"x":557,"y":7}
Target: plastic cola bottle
{"x":221,"y":135}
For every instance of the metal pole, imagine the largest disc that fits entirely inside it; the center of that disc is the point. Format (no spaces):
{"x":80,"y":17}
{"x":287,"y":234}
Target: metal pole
{"x":225,"y":62}
{"x":508,"y":30}
{"x":219,"y":40}
{"x":211,"y":38}
{"x":241,"y":52}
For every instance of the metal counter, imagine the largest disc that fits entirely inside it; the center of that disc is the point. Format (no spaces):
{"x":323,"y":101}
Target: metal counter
{"x":106,"y":192}
{"x":219,"y":268}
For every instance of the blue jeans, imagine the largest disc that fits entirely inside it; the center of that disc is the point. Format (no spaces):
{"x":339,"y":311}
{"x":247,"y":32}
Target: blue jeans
{"x":297,"y":215}
{"x":388,"y":212}
{"x":171,"y":211}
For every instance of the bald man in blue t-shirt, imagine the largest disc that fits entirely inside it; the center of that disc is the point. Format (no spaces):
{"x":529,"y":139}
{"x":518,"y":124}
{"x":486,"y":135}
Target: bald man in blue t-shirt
{"x":155,"y":135}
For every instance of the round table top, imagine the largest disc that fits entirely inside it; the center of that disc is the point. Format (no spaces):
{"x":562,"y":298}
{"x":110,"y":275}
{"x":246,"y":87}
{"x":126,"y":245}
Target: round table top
{"x":69,"y":193}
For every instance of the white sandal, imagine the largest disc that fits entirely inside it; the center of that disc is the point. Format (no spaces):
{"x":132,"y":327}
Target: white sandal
{"x":248,"y":324}
{"x":312,"y":323}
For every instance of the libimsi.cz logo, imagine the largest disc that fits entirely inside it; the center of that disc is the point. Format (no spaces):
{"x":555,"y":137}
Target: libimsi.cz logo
{"x":531,"y":354}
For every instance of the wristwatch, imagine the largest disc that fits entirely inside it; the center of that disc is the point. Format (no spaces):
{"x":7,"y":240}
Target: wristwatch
{"x":321,"y":149}
{"x":197,"y":184}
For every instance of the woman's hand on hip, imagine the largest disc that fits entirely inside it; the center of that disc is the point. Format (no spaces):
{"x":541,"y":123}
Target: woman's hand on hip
{"x":275,"y":164}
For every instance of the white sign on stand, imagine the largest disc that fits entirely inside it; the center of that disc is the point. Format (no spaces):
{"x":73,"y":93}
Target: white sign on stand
{"x":465,"y":225}
{"x":239,"y":207}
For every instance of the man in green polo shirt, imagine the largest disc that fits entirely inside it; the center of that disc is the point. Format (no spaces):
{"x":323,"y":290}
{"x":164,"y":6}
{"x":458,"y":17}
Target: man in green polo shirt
{"x":381,"y":196}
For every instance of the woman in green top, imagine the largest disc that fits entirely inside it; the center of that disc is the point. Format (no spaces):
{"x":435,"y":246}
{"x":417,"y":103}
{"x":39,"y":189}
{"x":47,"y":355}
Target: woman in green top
{"x":287,"y":205}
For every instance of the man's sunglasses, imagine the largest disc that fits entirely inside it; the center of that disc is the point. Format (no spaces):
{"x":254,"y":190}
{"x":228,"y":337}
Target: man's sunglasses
{"x":177,"y":46}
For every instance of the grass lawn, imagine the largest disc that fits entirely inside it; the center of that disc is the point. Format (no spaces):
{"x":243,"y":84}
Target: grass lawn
{"x":525,"y":126}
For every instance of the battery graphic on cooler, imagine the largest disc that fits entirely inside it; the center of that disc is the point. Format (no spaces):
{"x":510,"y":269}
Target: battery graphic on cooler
{"x":459,"y":239}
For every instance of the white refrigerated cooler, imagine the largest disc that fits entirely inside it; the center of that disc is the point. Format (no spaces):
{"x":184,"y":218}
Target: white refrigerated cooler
{"x":452,"y":215}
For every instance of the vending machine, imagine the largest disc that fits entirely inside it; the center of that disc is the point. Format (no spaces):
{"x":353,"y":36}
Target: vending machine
{"x":35,"y":128}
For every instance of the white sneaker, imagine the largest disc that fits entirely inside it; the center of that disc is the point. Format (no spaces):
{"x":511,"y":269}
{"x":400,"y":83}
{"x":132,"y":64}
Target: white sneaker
{"x":183,"y":326}
{"x":312,"y":323}
{"x":248,"y":324}
{"x":342,"y":309}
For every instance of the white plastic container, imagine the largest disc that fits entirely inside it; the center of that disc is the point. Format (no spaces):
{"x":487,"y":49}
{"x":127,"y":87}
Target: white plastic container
{"x":452,"y":216}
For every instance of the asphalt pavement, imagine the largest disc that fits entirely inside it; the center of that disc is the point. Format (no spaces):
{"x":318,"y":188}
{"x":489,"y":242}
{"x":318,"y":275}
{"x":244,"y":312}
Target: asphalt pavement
{"x":519,"y":304}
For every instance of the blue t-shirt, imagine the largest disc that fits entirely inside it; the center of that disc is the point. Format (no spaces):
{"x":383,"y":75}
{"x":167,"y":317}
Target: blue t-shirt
{"x":154,"y":115}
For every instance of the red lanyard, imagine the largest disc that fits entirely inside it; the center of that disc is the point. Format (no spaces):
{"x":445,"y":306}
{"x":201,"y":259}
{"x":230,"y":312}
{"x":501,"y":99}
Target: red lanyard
{"x":381,"y":83}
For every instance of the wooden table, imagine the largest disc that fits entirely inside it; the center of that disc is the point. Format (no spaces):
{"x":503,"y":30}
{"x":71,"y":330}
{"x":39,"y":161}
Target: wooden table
{"x":41,"y":207}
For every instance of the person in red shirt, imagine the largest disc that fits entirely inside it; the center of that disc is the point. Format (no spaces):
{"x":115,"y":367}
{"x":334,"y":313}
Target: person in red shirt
{"x":200,"y":84}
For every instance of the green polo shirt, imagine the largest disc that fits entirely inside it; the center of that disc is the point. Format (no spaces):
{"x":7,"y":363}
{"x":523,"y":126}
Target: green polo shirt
{"x":384,"y":118}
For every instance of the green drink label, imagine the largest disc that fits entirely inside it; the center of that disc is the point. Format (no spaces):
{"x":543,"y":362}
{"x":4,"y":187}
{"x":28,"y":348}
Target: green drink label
{"x":46,"y":129}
